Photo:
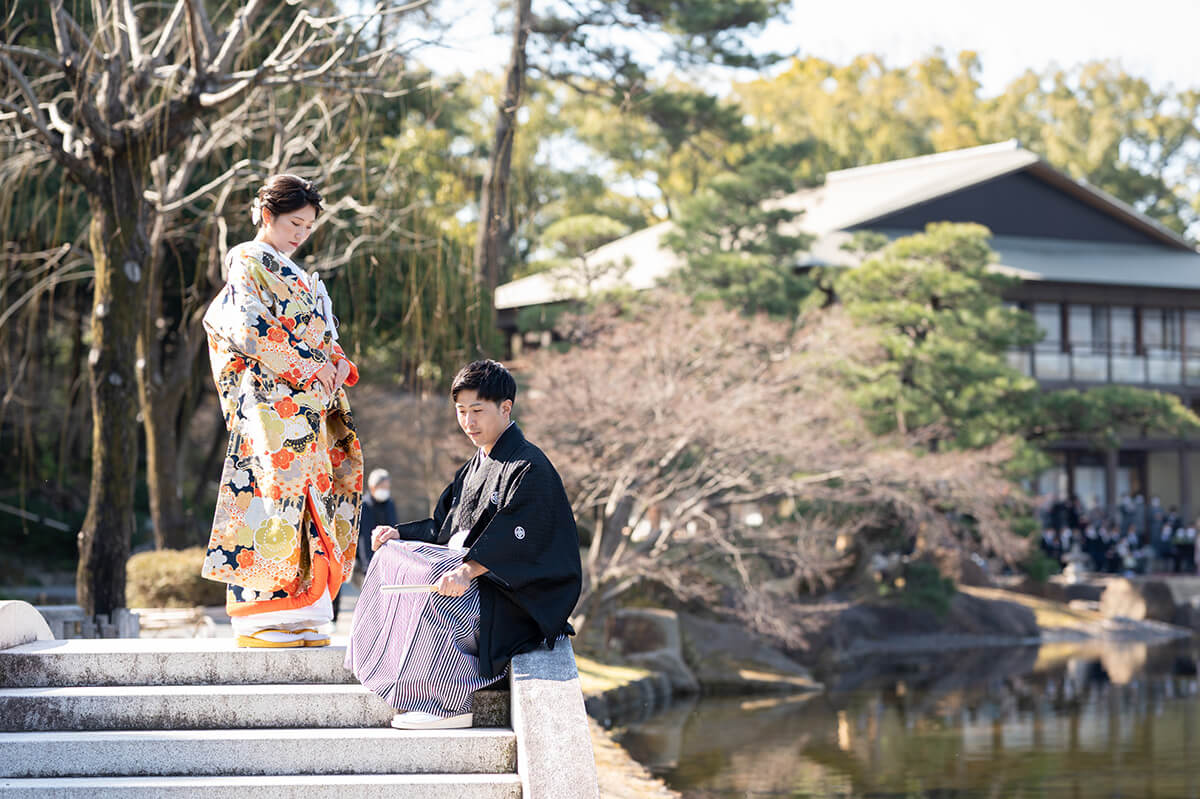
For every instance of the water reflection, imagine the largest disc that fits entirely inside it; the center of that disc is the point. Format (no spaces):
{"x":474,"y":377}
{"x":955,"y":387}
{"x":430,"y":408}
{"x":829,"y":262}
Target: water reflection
{"x":1069,"y":721}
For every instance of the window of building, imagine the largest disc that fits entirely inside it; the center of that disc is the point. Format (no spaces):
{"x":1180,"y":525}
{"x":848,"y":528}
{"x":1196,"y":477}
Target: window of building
{"x":1127,"y":364}
{"x":1050,"y":361}
{"x":1087,"y":327}
{"x":1020,"y":359}
{"x":1162,"y":345}
{"x":1192,"y":337}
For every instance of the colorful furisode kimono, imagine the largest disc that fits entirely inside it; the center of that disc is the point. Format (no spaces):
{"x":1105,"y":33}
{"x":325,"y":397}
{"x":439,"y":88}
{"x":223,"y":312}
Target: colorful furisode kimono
{"x":284,"y":533}
{"x":506,"y":510}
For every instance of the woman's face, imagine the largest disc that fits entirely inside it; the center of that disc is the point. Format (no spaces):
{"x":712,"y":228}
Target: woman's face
{"x":288,"y":231}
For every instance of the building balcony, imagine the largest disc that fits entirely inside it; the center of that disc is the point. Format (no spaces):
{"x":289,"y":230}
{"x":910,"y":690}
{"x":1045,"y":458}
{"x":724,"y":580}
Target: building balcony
{"x":1166,"y":370}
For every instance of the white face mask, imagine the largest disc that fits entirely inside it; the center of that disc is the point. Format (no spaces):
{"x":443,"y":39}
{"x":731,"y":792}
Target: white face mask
{"x":381,"y":494}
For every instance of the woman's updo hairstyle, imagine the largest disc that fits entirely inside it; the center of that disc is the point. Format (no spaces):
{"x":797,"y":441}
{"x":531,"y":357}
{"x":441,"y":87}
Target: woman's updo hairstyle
{"x":282,"y":194}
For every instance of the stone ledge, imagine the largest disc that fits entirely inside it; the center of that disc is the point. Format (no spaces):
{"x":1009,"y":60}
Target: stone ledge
{"x":554,"y":747}
{"x":20,"y":623}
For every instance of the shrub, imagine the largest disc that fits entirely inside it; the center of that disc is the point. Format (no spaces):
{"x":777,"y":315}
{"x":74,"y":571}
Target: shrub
{"x":1040,"y":567}
{"x":922,"y":587}
{"x":170,"y":578}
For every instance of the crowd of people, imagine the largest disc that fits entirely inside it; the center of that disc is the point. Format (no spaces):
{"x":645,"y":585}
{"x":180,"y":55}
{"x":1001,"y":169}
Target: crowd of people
{"x":1135,"y":538}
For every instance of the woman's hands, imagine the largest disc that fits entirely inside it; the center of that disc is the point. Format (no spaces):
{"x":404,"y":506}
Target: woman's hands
{"x":382,"y":534}
{"x":343,"y":373}
{"x":327,"y":377}
{"x":331,"y":376}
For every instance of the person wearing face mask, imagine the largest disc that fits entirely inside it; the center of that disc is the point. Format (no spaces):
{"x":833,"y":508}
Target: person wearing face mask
{"x":378,"y":510}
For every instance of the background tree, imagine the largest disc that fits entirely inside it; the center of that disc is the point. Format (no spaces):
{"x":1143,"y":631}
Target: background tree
{"x":105,"y":104}
{"x":572,"y":44}
{"x":946,"y":332}
{"x":1095,"y":121}
{"x":717,"y":454}
{"x":571,"y":240}
{"x":741,"y":245}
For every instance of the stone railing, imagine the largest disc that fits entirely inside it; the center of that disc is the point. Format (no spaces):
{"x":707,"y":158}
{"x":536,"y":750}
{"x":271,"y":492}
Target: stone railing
{"x":20,"y":623}
{"x":554,"y":745}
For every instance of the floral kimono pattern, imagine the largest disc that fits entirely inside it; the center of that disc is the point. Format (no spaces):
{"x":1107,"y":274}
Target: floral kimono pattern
{"x":291,"y":486}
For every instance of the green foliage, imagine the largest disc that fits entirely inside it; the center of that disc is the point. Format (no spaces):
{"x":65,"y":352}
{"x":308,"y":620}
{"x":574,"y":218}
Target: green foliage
{"x":539,"y":317}
{"x":1040,"y":567}
{"x":1095,"y":121}
{"x":945,"y":334}
{"x":573,"y":236}
{"x":922,"y":587}
{"x":170,"y":578}
{"x":1101,"y":413}
{"x":739,"y":247}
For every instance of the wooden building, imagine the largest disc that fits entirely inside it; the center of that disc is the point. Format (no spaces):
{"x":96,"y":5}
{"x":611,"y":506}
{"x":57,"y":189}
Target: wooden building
{"x":1116,"y":293}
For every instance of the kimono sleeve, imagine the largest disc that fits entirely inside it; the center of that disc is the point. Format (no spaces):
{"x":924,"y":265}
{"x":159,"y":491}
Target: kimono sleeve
{"x":241,"y":318}
{"x":338,"y":356}
{"x":532,"y":539}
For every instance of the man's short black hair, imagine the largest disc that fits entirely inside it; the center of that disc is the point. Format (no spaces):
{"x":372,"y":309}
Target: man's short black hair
{"x":488,"y":379}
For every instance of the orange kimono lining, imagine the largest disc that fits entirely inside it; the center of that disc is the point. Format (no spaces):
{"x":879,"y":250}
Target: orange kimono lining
{"x":323,"y":575}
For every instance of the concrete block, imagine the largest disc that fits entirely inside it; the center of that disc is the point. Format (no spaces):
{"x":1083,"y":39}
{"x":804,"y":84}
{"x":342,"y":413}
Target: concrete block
{"x":240,"y":752}
{"x":554,"y":746}
{"x":20,"y":623}
{"x":410,"y":786}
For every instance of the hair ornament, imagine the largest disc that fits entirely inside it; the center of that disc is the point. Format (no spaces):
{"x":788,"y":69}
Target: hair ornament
{"x":256,"y":211}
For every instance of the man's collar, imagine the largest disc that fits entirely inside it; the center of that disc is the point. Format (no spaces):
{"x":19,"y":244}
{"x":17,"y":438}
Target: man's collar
{"x":507,"y":443}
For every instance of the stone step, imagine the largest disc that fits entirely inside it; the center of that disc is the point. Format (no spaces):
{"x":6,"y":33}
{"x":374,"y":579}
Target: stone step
{"x":168,"y":661}
{"x":372,"y":786}
{"x":210,"y":707}
{"x":256,"y":752}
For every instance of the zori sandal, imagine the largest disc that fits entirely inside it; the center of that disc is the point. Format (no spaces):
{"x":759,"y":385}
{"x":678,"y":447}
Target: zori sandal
{"x":313,"y":638}
{"x":271,"y":638}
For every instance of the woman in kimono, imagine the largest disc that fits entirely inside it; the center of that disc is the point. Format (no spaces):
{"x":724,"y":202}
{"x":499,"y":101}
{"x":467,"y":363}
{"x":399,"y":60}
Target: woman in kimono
{"x":285,"y":530}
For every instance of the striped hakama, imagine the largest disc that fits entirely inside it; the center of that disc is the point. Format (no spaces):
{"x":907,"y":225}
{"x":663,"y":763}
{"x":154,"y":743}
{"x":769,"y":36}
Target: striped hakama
{"x":419,"y":651}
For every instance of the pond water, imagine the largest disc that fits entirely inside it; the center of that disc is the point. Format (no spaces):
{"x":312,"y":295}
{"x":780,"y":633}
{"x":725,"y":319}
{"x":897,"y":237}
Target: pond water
{"x":1055,"y":721}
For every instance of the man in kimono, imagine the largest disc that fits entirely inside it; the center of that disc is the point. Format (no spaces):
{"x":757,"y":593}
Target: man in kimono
{"x":448,"y":600}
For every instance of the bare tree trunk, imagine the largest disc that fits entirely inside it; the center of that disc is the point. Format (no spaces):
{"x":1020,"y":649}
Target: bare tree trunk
{"x":118,"y":249}
{"x":610,"y":533}
{"x":163,"y":381}
{"x":212,"y":460}
{"x":171,"y":528}
{"x":494,"y":229}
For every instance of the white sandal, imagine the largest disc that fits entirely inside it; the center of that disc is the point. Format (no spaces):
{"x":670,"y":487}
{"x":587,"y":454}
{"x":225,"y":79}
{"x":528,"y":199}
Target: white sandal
{"x":272,"y":638}
{"x":415,"y":720}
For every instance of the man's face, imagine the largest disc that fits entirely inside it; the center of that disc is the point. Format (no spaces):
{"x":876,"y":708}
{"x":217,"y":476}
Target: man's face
{"x":482,"y":420}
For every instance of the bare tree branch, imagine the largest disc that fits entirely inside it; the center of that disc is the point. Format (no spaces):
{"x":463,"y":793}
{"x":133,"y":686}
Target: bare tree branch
{"x":54,"y":146}
{"x":166,"y":36}
{"x":235,"y":36}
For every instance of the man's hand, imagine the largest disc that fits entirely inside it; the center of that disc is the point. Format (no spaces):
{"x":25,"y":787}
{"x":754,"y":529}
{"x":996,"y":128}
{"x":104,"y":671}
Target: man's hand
{"x":458,"y":582}
{"x":382,"y":534}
